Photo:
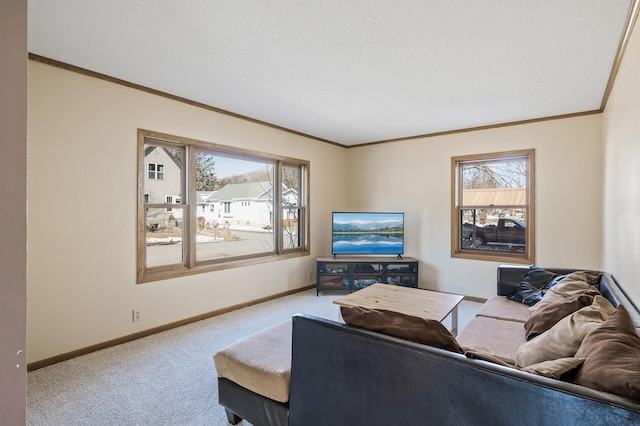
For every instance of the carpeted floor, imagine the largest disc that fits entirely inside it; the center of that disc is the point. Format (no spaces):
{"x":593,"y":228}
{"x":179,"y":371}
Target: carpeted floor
{"x":167,"y":378}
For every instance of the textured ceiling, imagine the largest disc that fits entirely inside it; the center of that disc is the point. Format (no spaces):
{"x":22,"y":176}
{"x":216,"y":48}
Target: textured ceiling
{"x":349,"y":72}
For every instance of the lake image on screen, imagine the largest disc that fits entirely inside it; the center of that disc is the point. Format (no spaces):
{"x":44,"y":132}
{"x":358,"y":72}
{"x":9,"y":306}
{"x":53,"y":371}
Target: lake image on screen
{"x":368,"y":233}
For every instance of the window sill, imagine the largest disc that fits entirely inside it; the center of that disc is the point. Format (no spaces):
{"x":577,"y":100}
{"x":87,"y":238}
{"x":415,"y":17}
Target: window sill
{"x":176,"y":272}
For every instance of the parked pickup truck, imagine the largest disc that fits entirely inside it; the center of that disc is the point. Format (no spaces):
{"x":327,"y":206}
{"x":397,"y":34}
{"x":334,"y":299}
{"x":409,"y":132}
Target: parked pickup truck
{"x":508,"y":231}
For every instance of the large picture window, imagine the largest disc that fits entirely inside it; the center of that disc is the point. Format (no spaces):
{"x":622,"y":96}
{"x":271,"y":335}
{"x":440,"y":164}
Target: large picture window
{"x":493,"y":206}
{"x":228,"y":207}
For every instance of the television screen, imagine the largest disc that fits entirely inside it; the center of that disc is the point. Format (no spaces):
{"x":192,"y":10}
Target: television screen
{"x":367,"y":233}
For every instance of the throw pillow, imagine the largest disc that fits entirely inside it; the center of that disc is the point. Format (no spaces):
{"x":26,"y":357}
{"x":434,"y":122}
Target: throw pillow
{"x":533,"y":286}
{"x":419,"y":330}
{"x":559,"y":368}
{"x":564,"y":338}
{"x":547,"y":316}
{"x":572,"y":284}
{"x":612,"y":357}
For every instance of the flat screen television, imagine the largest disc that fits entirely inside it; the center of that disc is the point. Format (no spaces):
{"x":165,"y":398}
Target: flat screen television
{"x":367,"y":233}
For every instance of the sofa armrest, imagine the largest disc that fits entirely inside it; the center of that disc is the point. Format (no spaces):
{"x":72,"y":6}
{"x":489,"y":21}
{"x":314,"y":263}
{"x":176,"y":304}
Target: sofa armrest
{"x":510,"y":276}
{"x":610,"y":289}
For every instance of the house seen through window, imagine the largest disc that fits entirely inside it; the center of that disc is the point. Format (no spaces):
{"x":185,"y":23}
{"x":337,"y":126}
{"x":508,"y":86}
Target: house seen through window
{"x":229,"y":215}
{"x":493,"y":206}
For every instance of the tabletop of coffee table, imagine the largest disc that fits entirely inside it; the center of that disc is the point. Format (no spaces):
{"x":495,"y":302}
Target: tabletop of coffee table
{"x":412,"y":301}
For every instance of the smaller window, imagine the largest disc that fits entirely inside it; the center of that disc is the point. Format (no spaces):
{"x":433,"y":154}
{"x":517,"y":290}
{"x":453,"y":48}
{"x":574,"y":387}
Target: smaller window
{"x":155,"y":171}
{"x":493,"y":207}
{"x":169,"y":200}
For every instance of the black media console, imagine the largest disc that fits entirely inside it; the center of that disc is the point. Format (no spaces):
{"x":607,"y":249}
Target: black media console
{"x":351,"y":273}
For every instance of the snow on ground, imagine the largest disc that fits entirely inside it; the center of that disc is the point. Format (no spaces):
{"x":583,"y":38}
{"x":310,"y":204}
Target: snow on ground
{"x":205,"y":238}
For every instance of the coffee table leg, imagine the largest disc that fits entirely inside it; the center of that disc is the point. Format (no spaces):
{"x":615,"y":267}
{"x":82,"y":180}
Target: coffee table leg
{"x":454,"y":321}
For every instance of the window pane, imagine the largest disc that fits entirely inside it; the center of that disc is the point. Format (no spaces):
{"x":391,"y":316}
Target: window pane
{"x":496,"y":183}
{"x":291,"y":184}
{"x":164,"y":236}
{"x":235,"y":207}
{"x":165,"y":172}
{"x":496,"y":230}
{"x":290,"y":229}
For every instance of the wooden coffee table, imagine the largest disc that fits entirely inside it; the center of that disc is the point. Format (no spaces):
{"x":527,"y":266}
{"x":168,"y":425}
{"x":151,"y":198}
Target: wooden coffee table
{"x":416,"y":302}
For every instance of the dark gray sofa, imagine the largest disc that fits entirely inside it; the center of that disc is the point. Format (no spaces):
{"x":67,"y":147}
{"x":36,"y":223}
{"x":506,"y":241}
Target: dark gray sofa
{"x":342,"y":375}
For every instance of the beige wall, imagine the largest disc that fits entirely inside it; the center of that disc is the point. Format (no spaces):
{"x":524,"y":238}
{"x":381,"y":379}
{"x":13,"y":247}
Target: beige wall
{"x":414,"y":177}
{"x":621,"y":137}
{"x":82,"y":212}
{"x":82,"y":159}
{"x":13,"y":211}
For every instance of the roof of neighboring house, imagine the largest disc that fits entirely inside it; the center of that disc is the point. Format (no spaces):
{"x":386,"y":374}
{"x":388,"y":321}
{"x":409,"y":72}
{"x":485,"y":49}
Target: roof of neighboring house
{"x":247,"y":191}
{"x":150,"y":148}
{"x":204,"y":196}
{"x":494,"y":197}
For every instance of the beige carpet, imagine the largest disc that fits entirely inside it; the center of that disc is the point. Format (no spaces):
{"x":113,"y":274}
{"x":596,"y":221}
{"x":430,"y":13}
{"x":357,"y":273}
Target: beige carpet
{"x":165,"y":379}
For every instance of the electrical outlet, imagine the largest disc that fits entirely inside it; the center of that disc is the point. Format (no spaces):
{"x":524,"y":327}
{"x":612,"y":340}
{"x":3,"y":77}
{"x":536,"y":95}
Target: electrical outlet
{"x":137,"y":315}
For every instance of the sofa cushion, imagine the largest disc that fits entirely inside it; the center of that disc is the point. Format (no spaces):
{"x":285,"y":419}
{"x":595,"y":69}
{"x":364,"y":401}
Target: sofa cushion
{"x":415,"y":329}
{"x":572,"y":284}
{"x":564,"y":338}
{"x":547,"y":316}
{"x":612,"y":357}
{"x":494,"y":337}
{"x":500,"y":307}
{"x":556,"y":368}
{"x":533,"y":286}
{"x":260,"y":362}
{"x":560,"y":369}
